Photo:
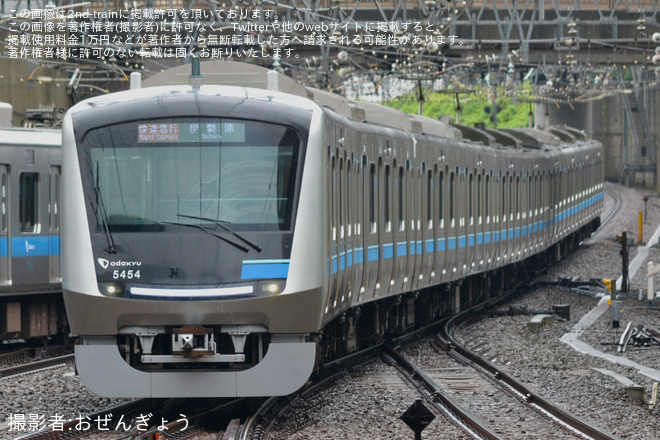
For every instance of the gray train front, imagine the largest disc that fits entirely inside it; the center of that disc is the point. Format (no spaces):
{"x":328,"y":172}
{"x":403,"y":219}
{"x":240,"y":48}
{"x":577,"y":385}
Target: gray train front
{"x":213,"y":235}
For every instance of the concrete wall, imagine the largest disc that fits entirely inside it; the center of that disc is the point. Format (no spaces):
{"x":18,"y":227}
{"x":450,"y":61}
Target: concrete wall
{"x":604,"y":119}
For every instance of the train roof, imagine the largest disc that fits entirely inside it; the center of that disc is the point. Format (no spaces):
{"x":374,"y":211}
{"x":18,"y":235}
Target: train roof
{"x":36,"y":137}
{"x":240,"y":74}
{"x":248,"y":75}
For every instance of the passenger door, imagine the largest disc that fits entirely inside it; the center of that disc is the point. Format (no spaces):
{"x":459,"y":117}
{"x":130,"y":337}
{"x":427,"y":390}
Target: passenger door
{"x":5,"y":270}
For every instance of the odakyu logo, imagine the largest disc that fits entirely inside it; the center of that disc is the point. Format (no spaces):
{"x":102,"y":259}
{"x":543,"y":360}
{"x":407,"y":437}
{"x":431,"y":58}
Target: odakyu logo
{"x":105,"y":263}
{"x":29,"y":247}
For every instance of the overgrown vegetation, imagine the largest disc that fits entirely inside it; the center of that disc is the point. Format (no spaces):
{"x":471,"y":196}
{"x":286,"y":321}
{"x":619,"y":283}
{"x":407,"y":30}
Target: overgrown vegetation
{"x":475,"y":108}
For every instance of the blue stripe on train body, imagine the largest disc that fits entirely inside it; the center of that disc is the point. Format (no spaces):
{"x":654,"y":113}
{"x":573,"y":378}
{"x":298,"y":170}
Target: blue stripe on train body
{"x":451,"y":243}
{"x":30,"y":246}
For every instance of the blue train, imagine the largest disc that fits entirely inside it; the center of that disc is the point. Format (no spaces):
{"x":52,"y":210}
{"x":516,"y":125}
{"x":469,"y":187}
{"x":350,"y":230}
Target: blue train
{"x":31,"y":303}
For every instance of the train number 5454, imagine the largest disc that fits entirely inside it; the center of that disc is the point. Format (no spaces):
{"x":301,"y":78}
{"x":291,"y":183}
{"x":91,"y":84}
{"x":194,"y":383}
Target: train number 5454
{"x":125,"y":274}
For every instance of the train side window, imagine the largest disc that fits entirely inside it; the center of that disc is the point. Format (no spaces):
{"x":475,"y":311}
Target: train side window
{"x":3,"y":204}
{"x":28,"y":197}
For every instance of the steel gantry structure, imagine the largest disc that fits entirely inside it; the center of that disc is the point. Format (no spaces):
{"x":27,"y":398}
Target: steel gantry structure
{"x":571,"y":51}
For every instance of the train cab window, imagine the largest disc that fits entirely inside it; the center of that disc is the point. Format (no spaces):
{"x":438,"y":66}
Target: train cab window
{"x":28,"y":202}
{"x":155,"y":175}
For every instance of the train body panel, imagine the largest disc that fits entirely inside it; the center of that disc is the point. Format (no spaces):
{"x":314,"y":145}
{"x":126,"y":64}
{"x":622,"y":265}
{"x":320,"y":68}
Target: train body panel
{"x":298,"y":225}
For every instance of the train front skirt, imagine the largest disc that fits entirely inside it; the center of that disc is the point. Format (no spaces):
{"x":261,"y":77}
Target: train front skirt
{"x":285,"y":368}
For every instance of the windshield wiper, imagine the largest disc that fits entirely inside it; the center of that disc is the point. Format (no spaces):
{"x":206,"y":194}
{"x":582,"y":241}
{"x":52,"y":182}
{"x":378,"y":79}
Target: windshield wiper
{"x":208,"y":231}
{"x":222,"y":224}
{"x":103,"y":213}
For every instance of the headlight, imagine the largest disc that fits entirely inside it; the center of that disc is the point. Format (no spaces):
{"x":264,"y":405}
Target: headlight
{"x":111,"y":289}
{"x":272,"y":287}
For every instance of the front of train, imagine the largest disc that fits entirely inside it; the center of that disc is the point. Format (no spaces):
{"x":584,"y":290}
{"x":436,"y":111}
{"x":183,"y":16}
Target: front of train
{"x":186,"y":269}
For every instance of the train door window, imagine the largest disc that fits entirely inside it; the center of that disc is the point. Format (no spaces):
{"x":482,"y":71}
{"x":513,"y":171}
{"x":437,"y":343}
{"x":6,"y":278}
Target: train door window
{"x":333,"y":221}
{"x":479,"y":201}
{"x":470,"y":199}
{"x":54,"y":206}
{"x":429,"y":199}
{"x":340,"y":198}
{"x":505,"y":206}
{"x":441,"y":208}
{"x":402,"y":220}
{"x":487,"y":199}
{"x":3,"y":200}
{"x":386,"y":190}
{"x":518,"y":197}
{"x":451,"y":199}
{"x":533,"y":182}
{"x":541,"y":201}
{"x":357,"y":199}
{"x":511,"y":197}
{"x":462,"y":212}
{"x":348,"y":199}
{"x":28,"y":197}
{"x":372,"y":197}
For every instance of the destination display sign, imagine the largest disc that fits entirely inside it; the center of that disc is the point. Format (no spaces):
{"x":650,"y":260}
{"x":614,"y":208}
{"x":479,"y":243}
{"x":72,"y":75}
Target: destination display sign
{"x":194,"y":132}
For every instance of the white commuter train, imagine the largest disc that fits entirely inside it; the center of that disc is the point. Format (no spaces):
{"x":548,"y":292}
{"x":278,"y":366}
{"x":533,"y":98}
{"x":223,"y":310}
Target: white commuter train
{"x":221,"y":239}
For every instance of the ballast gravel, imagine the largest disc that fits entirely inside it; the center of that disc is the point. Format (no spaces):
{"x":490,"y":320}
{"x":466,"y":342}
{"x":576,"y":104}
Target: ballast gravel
{"x":365,"y":407}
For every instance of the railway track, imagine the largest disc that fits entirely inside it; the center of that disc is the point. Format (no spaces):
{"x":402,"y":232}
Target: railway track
{"x":13,"y":357}
{"x":615,"y":207}
{"x":558,"y":420}
{"x":36,"y":365}
{"x":297,"y":410}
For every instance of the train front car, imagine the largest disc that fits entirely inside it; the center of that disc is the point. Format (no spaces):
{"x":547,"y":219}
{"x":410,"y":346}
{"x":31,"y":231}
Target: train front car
{"x":178,"y":241}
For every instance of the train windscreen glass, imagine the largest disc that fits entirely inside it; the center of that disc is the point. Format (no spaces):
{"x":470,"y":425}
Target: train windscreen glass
{"x":187,"y":171}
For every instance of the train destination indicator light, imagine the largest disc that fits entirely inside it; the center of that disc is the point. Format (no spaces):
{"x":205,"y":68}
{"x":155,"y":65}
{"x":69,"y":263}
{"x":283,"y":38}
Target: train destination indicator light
{"x":196,"y":132}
